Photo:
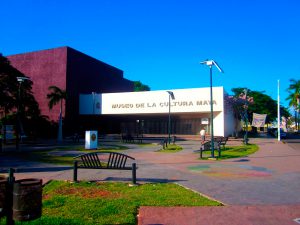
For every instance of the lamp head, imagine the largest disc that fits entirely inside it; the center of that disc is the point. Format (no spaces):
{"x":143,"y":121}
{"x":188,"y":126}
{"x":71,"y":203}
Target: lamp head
{"x":171,"y":95}
{"x":207,"y":62}
{"x":210,"y":63}
{"x":21,"y":79}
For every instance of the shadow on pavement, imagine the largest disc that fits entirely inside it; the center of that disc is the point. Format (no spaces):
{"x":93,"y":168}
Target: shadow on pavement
{"x":148,"y":180}
{"x":37,"y":169}
{"x":241,"y":160}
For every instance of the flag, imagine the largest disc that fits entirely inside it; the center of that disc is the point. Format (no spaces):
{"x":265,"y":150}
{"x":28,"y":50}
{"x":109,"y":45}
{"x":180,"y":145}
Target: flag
{"x":258,"y":120}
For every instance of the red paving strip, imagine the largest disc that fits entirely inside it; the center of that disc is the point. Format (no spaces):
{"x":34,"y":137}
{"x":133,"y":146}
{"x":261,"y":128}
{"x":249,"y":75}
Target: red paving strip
{"x":220,"y":215}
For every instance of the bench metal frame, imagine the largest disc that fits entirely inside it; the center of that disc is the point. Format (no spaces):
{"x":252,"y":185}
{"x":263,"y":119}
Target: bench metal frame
{"x":222,"y":140}
{"x":116,"y":161}
{"x":206,"y":146}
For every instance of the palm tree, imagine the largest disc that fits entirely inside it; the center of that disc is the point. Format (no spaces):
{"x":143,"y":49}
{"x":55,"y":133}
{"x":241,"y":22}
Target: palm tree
{"x":294,"y":98}
{"x":56,"y":96}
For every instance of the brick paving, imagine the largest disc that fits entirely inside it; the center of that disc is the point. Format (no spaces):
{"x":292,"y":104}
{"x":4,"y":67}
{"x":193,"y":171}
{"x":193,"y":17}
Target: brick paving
{"x":224,"y":215}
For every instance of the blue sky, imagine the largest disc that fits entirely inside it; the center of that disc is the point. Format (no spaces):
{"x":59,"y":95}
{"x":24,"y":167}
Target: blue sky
{"x":161,"y":42}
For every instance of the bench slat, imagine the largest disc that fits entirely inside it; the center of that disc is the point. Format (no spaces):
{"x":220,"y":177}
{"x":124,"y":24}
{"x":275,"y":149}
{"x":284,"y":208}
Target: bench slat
{"x":85,"y":161}
{"x":115,"y":162}
{"x":110,"y":160}
{"x":96,"y":161}
{"x":118,"y":160}
{"x":91,"y":160}
{"x":123,"y":161}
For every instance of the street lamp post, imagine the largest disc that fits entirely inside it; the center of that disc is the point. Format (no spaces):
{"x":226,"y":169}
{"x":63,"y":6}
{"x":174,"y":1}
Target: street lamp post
{"x":171,"y":95}
{"x":212,"y":63}
{"x":297,"y":118}
{"x":246,"y":117}
{"x":18,"y":124}
{"x":137,"y":128}
{"x":278,"y":110}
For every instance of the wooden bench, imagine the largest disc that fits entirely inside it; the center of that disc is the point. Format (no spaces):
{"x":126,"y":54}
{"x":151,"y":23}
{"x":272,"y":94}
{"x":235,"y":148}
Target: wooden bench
{"x":104,"y":160}
{"x":206,"y":146}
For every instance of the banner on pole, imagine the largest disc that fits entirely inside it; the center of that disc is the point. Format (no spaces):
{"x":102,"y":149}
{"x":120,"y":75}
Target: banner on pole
{"x":259,"y":120}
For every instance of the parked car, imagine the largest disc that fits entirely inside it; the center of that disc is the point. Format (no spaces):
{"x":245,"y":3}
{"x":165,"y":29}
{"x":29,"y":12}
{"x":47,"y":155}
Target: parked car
{"x":274,"y":131}
{"x":283,"y":134}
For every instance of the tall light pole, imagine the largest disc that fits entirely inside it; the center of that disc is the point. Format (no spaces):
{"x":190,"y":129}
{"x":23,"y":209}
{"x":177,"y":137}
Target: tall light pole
{"x":297,"y":110}
{"x":246,"y":117}
{"x":171,"y":95}
{"x":212,"y":63}
{"x":60,"y":134}
{"x":18,"y":124}
{"x":278,"y":110}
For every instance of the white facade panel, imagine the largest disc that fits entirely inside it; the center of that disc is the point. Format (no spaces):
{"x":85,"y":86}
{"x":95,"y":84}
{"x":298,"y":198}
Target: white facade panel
{"x":219,"y":124}
{"x":186,"y":100}
{"x":196,"y":100}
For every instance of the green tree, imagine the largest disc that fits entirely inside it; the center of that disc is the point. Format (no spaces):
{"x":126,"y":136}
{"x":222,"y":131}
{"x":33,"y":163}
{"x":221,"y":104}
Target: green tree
{"x":263,"y":104}
{"x":16,"y":95}
{"x":240,"y":104}
{"x":139,"y":86}
{"x":8,"y":85}
{"x":56,"y":96}
{"x":294,"y":98}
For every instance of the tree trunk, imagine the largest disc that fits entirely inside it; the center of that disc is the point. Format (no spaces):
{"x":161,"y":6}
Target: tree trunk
{"x":59,"y":135}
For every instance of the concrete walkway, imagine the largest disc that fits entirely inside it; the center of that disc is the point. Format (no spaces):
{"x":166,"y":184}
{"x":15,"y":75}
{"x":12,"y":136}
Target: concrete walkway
{"x":263,"y":188}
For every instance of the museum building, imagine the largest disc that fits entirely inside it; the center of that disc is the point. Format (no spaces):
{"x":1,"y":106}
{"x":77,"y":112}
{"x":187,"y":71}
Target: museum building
{"x":72,"y":71}
{"x":149,"y":112}
{"x":100,"y":98}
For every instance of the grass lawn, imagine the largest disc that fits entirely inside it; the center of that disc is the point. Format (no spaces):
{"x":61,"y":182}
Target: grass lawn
{"x":62,"y":155}
{"x":171,"y":148}
{"x":141,"y":144}
{"x":233,"y":152}
{"x":109,"y":202}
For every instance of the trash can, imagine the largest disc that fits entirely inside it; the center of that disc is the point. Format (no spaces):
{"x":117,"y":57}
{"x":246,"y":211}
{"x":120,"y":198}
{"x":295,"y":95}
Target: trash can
{"x":3,"y":195}
{"x":27,"y":199}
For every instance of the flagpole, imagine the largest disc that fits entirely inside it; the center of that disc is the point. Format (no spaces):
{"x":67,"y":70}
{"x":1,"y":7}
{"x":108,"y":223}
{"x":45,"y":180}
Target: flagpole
{"x":278,"y":112}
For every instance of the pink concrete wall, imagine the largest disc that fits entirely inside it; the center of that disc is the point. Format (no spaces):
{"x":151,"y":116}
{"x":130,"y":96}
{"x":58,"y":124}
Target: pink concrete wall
{"x":45,"y":68}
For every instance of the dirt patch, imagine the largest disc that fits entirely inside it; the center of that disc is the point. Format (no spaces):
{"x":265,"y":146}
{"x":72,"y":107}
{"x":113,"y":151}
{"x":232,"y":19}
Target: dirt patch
{"x":84,"y":193}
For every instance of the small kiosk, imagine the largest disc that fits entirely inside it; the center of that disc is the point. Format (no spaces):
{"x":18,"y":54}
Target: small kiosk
{"x":91,"y":139}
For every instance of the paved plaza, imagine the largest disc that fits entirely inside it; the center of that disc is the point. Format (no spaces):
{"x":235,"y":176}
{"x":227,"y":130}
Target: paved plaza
{"x":263,"y":188}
